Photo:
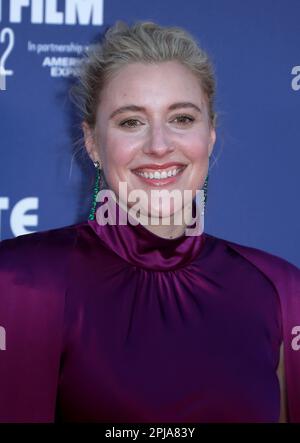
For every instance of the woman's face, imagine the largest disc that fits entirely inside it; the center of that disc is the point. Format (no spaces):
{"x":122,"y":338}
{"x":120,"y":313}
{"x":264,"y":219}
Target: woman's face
{"x":152,"y":119}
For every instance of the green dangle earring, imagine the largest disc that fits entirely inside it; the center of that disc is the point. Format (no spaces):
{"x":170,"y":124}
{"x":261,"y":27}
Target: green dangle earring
{"x":205,"y":194}
{"x":95,"y":190}
{"x":204,"y":189}
{"x":202,"y":202}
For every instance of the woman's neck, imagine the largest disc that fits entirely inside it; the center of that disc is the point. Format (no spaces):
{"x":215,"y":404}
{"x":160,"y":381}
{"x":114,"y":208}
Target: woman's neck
{"x":170,"y":227}
{"x":169,"y":230}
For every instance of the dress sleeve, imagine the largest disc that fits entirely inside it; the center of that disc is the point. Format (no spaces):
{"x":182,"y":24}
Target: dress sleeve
{"x":285,"y":278}
{"x":33,"y":283}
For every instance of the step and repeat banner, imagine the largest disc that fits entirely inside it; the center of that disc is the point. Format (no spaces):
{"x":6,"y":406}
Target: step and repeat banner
{"x":254,"y":180}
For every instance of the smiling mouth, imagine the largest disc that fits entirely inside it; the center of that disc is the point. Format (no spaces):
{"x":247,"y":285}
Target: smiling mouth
{"x":160,"y":177}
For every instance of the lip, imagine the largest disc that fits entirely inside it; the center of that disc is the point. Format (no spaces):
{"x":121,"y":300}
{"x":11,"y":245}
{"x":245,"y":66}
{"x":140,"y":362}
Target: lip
{"x":156,"y":166}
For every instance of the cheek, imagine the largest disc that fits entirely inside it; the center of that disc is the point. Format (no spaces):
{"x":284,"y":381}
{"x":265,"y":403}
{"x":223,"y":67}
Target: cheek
{"x":119,"y":151}
{"x":196,"y":150}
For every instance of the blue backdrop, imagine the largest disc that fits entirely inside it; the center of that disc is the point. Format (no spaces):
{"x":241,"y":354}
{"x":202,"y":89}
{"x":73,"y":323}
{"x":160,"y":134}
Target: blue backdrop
{"x":253,"y":192}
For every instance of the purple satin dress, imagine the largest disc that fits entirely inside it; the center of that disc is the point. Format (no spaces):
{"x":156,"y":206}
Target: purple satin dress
{"x":150,"y":329}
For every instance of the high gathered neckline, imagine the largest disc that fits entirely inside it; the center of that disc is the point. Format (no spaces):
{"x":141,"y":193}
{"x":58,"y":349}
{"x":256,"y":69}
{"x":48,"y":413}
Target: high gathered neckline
{"x":142,"y":248}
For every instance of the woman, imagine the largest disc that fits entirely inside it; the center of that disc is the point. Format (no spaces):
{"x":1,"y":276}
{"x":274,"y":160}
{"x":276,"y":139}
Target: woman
{"x":155,"y":321}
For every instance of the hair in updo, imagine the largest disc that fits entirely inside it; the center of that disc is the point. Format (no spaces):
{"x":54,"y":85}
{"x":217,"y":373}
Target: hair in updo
{"x":144,"y":42}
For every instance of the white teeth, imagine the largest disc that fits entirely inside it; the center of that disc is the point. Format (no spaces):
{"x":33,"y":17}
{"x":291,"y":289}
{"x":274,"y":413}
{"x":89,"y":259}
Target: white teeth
{"x":160,"y":175}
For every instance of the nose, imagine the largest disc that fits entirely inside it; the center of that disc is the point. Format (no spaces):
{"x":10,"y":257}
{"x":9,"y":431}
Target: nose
{"x":158,"y":142}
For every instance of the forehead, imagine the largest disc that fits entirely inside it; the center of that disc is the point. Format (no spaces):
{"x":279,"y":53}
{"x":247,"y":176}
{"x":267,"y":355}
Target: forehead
{"x":169,"y":80}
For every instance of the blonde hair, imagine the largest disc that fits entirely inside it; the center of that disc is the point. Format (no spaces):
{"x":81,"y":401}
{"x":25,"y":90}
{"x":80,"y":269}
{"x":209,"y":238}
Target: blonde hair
{"x":144,"y":42}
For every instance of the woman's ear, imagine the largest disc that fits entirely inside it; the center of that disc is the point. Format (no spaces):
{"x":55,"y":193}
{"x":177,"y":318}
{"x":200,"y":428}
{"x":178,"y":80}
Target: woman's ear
{"x":212,"y":141}
{"x":89,"y":141}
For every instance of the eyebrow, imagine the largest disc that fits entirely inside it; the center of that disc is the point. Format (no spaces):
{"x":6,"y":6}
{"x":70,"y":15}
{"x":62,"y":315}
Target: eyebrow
{"x":135,"y":108}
